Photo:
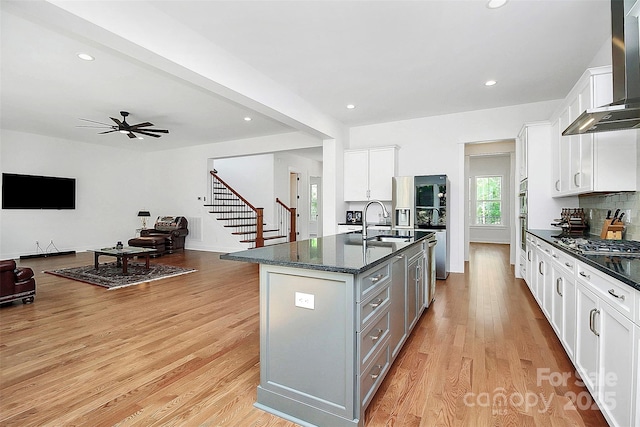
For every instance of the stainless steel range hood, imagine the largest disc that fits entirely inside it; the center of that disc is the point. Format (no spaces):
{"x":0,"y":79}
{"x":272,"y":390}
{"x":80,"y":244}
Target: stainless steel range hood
{"x":624,"y":112}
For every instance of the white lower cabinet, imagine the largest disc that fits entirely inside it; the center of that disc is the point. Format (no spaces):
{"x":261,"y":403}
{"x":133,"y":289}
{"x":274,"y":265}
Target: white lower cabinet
{"x":543,"y":277}
{"x":597,"y":319}
{"x":563,"y":296}
{"x":605,"y":355}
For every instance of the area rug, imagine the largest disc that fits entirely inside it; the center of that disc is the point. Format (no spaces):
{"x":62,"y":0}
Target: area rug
{"x":110,"y":275}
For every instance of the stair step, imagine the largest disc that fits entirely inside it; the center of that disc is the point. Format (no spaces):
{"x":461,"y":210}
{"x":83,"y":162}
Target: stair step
{"x":266,"y":238}
{"x":234,"y":218}
{"x":253,"y":232}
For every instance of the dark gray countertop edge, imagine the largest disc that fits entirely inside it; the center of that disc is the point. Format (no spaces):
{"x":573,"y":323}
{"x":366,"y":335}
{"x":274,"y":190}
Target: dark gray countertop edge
{"x":321,"y":267}
{"x":544,"y":235}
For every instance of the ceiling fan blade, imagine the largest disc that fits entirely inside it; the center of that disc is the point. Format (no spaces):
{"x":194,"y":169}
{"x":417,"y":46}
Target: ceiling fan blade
{"x":141,"y":125}
{"x":93,"y":121}
{"x":152,"y":130}
{"x":96,"y":127}
{"x":118,"y":122}
{"x":147,"y":133}
{"x":109,"y":131}
{"x":131,"y":135}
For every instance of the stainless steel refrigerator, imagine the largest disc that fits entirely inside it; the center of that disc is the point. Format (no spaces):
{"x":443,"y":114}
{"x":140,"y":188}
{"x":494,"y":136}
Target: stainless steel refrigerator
{"x":420,"y":202}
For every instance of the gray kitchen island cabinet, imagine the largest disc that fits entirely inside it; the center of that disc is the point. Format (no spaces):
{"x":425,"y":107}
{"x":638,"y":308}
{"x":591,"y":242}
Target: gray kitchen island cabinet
{"x":334,"y":313}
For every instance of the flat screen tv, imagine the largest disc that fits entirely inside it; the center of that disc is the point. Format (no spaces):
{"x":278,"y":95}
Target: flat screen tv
{"x":37,"y":192}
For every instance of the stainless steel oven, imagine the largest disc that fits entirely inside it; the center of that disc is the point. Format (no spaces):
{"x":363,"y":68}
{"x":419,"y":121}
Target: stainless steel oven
{"x":522,"y":196}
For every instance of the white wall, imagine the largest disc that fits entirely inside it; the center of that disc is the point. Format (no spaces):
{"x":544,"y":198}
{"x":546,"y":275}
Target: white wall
{"x":435,"y":145}
{"x":113,"y":184}
{"x":497,"y":165}
{"x":111,"y":187}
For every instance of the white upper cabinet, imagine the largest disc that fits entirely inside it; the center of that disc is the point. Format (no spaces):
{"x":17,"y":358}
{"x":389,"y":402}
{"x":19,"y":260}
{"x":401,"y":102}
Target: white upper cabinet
{"x":368,"y":174}
{"x":598,"y":162}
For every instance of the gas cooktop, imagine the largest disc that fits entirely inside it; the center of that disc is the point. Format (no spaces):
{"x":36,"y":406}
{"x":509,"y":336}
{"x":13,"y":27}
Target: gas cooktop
{"x":622,"y":248}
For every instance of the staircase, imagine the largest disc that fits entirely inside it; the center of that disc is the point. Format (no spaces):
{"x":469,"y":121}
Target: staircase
{"x":243,"y":219}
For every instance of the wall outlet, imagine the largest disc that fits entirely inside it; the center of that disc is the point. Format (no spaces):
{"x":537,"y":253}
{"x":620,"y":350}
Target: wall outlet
{"x":305,"y":300}
{"x":627,"y":216}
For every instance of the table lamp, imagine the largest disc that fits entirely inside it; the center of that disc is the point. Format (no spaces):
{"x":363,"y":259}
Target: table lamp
{"x":144,"y":215}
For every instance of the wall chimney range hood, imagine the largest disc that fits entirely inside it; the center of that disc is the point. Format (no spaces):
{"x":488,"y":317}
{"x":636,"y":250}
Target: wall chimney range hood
{"x":624,"y":112}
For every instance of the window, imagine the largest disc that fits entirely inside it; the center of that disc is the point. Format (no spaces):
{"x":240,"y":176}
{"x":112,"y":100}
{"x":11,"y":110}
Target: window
{"x":313,"y":208}
{"x":489,"y":200}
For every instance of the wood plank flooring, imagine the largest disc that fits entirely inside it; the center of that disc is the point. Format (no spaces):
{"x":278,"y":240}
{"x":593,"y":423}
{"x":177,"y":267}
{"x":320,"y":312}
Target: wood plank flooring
{"x":184,"y":351}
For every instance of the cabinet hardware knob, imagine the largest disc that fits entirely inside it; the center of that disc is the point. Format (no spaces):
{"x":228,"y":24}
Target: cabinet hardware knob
{"x":377,"y":303}
{"x":374,"y":376}
{"x":376,"y":337}
{"x":613,"y":293}
{"x":376,"y":278}
{"x":583,"y":274}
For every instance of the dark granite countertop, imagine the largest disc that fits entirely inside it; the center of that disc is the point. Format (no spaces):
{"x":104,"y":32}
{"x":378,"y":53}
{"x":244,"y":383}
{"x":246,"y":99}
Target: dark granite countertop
{"x":342,"y":253}
{"x":625,"y":269}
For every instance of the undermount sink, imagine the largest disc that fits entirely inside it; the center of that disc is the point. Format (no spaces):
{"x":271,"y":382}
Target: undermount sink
{"x":391,"y":239}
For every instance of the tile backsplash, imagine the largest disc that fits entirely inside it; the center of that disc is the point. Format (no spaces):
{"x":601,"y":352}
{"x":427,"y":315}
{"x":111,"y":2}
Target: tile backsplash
{"x":596,"y":207}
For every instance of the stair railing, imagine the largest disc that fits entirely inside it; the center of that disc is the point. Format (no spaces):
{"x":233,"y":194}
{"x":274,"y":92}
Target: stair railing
{"x":286,"y":220}
{"x":237,"y":212}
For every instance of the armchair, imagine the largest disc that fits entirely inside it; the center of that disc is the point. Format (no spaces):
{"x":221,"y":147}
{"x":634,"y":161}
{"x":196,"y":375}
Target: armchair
{"x":16,"y":283}
{"x":168,"y":233}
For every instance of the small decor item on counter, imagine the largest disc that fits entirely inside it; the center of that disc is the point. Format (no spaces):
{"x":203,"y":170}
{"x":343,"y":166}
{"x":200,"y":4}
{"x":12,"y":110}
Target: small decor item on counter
{"x":572,"y":220}
{"x":613,"y":227}
{"x":354,"y":217}
{"x":119,"y":246}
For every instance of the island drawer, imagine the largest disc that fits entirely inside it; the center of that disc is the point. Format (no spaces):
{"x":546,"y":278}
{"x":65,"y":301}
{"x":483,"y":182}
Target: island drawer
{"x":368,"y":310}
{"x":370,"y":281}
{"x":371,"y":338}
{"x":374,"y":373}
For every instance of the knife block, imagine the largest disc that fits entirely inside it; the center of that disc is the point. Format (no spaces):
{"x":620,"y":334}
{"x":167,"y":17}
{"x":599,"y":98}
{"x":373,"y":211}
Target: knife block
{"x":611,"y":232}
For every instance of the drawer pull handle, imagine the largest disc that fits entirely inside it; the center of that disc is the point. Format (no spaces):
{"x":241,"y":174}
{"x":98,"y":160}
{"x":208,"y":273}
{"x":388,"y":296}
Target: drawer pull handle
{"x":555,"y":256}
{"x":592,"y":326}
{"x":612,"y":292}
{"x":377,"y":337}
{"x":558,"y":282}
{"x":540,"y":266}
{"x":375,"y":376}
{"x":376,"y":278}
{"x":583,"y":274}
{"x":568,"y":265}
{"x":377,"y":303}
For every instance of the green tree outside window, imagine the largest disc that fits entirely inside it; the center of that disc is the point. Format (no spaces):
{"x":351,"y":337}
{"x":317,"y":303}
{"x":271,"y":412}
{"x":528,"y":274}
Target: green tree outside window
{"x":489,"y":200}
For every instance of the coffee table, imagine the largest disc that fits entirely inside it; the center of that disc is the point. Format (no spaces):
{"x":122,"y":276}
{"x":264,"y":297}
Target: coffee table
{"x":123,"y":255}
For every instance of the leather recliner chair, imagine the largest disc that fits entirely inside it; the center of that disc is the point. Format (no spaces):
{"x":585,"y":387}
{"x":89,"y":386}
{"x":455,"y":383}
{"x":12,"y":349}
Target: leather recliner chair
{"x":16,"y":283}
{"x":172,"y":228}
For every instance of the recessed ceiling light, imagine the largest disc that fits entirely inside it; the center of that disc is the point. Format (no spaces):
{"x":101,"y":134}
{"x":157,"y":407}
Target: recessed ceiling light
{"x":85,"y":57}
{"x":490,"y":83}
{"x":351,"y":106}
{"x":494,"y":4}
{"x":247,"y":119}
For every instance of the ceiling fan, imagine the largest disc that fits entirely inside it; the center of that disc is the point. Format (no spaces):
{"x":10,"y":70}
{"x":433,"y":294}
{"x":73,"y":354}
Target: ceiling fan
{"x":131,"y":130}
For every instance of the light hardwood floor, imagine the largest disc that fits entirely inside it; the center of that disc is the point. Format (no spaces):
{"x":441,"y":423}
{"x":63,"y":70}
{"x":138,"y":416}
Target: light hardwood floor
{"x":184,"y":351}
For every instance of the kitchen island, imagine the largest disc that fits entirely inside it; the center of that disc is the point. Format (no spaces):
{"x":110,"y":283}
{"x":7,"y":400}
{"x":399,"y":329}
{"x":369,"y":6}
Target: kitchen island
{"x":334,"y":313}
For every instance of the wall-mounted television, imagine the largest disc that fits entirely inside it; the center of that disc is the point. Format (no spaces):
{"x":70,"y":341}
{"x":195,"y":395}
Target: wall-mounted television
{"x":37,"y":192}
